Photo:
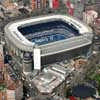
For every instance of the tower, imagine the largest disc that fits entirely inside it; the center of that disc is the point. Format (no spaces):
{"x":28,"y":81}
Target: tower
{"x":27,"y":62}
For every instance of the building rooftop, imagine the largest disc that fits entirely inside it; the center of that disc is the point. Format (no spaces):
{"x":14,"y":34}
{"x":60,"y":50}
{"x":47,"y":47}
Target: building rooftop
{"x":58,"y":68}
{"x":49,"y":79}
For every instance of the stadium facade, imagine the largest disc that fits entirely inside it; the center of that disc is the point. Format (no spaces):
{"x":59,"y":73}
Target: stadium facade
{"x":54,"y":35}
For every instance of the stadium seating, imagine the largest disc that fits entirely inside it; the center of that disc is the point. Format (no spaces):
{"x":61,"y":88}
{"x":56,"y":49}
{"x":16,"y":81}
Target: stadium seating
{"x":48,"y":32}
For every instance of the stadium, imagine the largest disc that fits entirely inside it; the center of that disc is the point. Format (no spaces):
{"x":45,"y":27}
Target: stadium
{"x":53,"y":34}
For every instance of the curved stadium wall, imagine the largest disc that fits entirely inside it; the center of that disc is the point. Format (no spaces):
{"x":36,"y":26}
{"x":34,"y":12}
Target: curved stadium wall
{"x":53,"y":34}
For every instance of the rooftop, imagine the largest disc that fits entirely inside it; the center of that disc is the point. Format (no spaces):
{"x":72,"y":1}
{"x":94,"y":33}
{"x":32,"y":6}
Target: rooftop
{"x":49,"y":79}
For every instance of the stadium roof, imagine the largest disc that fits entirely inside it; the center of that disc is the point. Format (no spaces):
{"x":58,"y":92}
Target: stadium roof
{"x":13,"y":34}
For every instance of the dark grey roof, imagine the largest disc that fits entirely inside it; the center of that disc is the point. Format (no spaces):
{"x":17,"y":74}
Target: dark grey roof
{"x":83,"y":91}
{"x":97,"y":98}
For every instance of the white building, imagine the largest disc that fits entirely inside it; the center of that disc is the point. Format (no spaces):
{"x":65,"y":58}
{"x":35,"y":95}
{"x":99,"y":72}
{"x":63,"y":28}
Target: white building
{"x":52,"y":34}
